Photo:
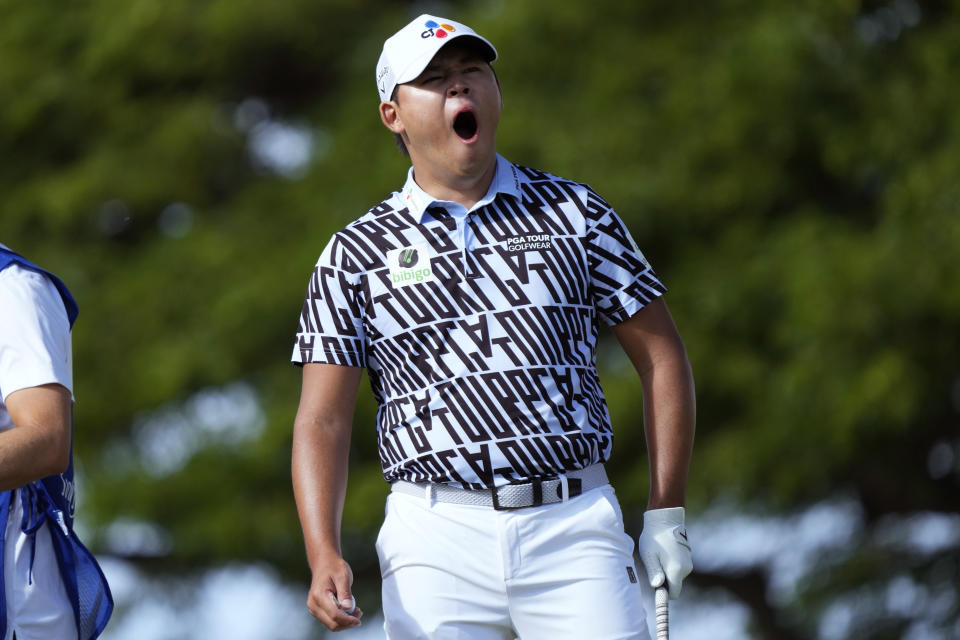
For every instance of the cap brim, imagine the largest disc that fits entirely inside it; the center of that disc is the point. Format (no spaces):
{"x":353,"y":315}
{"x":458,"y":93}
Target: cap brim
{"x":417,"y":67}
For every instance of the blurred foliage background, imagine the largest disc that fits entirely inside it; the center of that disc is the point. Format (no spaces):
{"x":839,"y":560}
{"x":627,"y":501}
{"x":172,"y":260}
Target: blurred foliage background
{"x":790,"y":169}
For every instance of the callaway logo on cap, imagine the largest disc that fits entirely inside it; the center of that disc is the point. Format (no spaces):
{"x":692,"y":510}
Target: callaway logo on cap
{"x":407,"y":52}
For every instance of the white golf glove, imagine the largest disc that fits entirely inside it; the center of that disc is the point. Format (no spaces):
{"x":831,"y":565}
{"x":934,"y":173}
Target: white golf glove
{"x":664,"y":549}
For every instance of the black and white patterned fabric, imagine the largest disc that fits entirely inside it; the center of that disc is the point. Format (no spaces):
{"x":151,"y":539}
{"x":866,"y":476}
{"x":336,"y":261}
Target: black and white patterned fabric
{"x":479,"y":329}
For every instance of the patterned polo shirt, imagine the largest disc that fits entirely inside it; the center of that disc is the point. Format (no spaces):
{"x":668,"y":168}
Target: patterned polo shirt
{"x":478,"y":328}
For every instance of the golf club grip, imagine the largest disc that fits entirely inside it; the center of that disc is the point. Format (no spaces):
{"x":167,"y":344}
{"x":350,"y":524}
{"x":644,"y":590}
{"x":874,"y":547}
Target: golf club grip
{"x":662,"y":599}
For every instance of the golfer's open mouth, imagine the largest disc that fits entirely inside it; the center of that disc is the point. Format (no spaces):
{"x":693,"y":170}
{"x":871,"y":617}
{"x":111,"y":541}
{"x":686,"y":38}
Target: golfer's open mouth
{"x":465,"y":125}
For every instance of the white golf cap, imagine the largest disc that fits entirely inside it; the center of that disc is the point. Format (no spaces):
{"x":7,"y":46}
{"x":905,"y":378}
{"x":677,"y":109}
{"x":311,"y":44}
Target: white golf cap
{"x":408,"y":52}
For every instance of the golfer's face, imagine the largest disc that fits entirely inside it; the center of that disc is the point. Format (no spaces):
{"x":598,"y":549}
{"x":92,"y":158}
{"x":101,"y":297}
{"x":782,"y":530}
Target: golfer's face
{"x":450,"y":111}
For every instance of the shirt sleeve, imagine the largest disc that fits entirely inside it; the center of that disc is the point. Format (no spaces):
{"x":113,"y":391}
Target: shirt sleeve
{"x":622,"y":280}
{"x":331,"y":321}
{"x":35,"y":344}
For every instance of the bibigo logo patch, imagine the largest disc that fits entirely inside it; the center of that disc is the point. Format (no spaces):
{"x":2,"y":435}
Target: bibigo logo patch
{"x":436,"y":30}
{"x":410,"y":265}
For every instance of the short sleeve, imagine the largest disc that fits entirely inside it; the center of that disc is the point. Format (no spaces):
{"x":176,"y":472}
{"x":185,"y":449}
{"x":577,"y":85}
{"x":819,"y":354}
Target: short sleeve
{"x":35,"y":344}
{"x":331,"y":320}
{"x":622,"y":280}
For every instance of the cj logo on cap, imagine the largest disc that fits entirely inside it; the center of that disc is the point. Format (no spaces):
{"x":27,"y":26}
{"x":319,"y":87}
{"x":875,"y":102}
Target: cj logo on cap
{"x":435,"y":30}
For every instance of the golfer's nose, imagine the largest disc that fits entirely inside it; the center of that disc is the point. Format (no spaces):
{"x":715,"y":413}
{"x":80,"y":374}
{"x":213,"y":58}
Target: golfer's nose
{"x":458,"y":87}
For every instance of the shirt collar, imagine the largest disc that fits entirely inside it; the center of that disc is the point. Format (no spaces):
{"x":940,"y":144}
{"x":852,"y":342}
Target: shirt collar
{"x":506,"y":180}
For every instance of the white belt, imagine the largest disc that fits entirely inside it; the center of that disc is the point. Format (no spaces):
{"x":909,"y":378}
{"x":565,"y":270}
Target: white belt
{"x":520,"y":495}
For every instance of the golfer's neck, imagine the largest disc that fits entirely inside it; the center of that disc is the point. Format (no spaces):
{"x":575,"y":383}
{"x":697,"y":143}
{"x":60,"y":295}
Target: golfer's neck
{"x":466,"y":188}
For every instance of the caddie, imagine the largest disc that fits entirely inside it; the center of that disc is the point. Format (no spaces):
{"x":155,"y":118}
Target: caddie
{"x":52,"y":587}
{"x":473,"y":297}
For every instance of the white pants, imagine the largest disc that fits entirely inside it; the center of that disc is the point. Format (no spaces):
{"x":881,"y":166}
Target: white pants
{"x":555,"y":572}
{"x":37,"y":603}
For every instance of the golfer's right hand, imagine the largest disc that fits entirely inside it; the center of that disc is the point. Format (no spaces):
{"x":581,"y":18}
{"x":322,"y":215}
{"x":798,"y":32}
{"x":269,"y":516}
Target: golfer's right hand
{"x":664,"y":549}
{"x":330,"y":598}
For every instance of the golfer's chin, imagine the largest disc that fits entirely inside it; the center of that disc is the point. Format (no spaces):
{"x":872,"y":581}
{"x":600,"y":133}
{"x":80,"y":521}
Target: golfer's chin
{"x":472,"y":157}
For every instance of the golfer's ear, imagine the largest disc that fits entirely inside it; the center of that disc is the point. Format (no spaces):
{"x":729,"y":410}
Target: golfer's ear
{"x":391,"y":117}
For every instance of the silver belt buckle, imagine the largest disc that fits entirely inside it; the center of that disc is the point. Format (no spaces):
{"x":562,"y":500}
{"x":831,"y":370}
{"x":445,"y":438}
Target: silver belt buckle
{"x":537,"y":499}
{"x":574,"y":489}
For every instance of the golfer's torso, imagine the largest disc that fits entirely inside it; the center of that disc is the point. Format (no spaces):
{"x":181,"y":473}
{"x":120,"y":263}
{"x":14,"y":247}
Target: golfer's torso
{"x":480,"y":335}
{"x":479,"y":328}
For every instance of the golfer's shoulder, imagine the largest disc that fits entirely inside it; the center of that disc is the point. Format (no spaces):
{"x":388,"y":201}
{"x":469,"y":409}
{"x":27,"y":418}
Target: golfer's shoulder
{"x":360,"y":245}
{"x":386,"y":211}
{"x":539,"y":180}
{"x":541,"y":188}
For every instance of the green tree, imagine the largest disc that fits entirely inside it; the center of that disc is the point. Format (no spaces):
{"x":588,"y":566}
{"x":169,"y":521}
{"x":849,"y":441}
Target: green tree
{"x":789,"y":169}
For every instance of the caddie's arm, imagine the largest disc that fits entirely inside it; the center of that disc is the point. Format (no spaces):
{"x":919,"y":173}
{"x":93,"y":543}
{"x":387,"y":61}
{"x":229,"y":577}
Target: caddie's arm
{"x":321,"y":444}
{"x":653,"y":344}
{"x":38,"y":445}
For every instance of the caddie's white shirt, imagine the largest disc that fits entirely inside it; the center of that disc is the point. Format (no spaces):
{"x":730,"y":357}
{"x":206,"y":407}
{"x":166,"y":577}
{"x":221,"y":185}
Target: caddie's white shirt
{"x":35,"y":349}
{"x":479,"y":328}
